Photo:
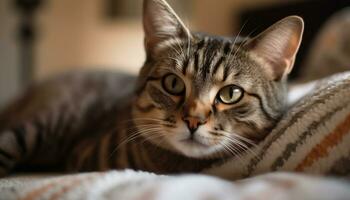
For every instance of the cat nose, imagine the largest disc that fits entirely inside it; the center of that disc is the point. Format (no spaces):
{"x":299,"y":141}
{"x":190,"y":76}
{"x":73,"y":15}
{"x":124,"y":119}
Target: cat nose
{"x":193,"y":123}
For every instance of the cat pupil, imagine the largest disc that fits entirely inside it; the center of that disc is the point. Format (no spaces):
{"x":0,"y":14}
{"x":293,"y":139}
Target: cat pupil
{"x":174,"y":82}
{"x":231,"y":93}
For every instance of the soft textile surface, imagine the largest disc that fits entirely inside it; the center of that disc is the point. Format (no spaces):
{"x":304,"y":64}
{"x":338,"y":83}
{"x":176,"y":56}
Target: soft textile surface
{"x":313,"y":137}
{"x":130,"y":185}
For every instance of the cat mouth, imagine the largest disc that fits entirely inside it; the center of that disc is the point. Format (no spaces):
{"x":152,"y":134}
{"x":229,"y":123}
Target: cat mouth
{"x":193,"y":142}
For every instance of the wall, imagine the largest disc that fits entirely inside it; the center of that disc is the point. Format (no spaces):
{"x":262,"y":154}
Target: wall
{"x":220,"y":16}
{"x":9,"y":80}
{"x":75,"y":35}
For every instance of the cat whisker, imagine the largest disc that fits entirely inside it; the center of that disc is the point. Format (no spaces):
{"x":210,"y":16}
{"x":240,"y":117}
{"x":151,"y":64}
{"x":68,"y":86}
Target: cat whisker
{"x":233,"y":144}
{"x":188,"y":46}
{"x":233,"y":151}
{"x":244,"y":139}
{"x":182,"y":55}
{"x":177,"y":61}
{"x":238,"y":35}
{"x":165,"y":69}
{"x":146,"y":120}
{"x":234,"y":42}
{"x":238,"y":140}
{"x":243,"y":146}
{"x":240,"y":46}
{"x":238,"y":143}
{"x":218,"y":151}
{"x":189,"y":37}
{"x":154,"y":135}
{"x":152,"y":125}
{"x":143,"y":125}
{"x":247,"y":140}
{"x":179,"y":51}
{"x":147,"y":127}
{"x":125,"y":141}
{"x":134,"y":135}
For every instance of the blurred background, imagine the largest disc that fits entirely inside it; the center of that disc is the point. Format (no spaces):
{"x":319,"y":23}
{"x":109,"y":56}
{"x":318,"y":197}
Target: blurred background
{"x":42,"y":38}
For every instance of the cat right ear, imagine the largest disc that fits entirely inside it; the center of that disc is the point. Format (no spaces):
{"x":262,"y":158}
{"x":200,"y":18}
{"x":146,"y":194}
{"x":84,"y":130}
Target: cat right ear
{"x":161,"y":23}
{"x":277,"y":46}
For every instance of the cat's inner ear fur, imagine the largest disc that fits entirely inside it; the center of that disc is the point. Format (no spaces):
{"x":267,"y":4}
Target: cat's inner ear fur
{"x":161,"y":23}
{"x":277,"y":46}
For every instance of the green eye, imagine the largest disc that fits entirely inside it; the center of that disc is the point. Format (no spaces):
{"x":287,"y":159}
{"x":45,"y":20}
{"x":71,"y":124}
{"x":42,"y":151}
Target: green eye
{"x":230,"y":94}
{"x":173,"y":84}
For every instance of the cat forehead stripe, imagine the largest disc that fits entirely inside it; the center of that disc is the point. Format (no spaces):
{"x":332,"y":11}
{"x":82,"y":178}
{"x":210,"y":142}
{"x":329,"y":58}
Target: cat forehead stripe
{"x":204,"y":57}
{"x":204,"y":54}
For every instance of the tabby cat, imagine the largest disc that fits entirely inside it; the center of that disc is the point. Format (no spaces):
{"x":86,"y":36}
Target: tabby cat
{"x":198,"y":100}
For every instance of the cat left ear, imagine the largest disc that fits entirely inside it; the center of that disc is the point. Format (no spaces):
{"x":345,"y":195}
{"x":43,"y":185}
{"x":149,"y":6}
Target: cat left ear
{"x":277,"y":46}
{"x":161,"y":23}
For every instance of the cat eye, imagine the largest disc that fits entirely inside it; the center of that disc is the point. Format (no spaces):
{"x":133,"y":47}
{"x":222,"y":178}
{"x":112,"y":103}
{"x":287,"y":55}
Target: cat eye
{"x":173,"y":84}
{"x":230,"y":94}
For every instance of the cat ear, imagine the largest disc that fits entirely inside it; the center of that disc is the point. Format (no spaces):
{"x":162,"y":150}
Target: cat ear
{"x":277,"y":46}
{"x":161,"y":23}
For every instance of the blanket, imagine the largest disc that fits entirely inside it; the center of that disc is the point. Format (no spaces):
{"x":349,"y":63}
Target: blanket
{"x":313,"y":137}
{"x":131,"y":185}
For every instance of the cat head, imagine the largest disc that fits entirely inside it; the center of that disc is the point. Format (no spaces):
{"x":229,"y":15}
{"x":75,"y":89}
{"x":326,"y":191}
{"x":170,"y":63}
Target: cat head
{"x":204,"y":96}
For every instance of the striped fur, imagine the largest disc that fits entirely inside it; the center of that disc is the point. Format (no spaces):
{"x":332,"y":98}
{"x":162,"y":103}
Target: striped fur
{"x":84,"y":122}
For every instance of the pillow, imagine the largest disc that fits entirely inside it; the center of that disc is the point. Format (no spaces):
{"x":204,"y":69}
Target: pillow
{"x":312,"y":137}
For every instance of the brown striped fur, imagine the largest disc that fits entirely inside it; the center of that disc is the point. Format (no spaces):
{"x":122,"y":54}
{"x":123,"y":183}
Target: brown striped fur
{"x":99,"y":121}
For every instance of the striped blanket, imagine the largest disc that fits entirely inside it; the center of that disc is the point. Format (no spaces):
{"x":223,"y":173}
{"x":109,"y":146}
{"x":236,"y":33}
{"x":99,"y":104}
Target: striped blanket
{"x":313,"y":138}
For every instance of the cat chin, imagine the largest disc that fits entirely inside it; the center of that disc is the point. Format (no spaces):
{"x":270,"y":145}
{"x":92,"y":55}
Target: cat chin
{"x":195,"y":149}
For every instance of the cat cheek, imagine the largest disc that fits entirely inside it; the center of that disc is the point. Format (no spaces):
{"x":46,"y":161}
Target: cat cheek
{"x":220,"y":107}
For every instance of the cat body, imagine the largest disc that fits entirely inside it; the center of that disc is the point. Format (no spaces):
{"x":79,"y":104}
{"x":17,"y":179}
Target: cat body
{"x":80,"y":123}
{"x":198,"y":100}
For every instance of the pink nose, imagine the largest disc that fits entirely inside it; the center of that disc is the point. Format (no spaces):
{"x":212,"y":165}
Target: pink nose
{"x":193,"y":123}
